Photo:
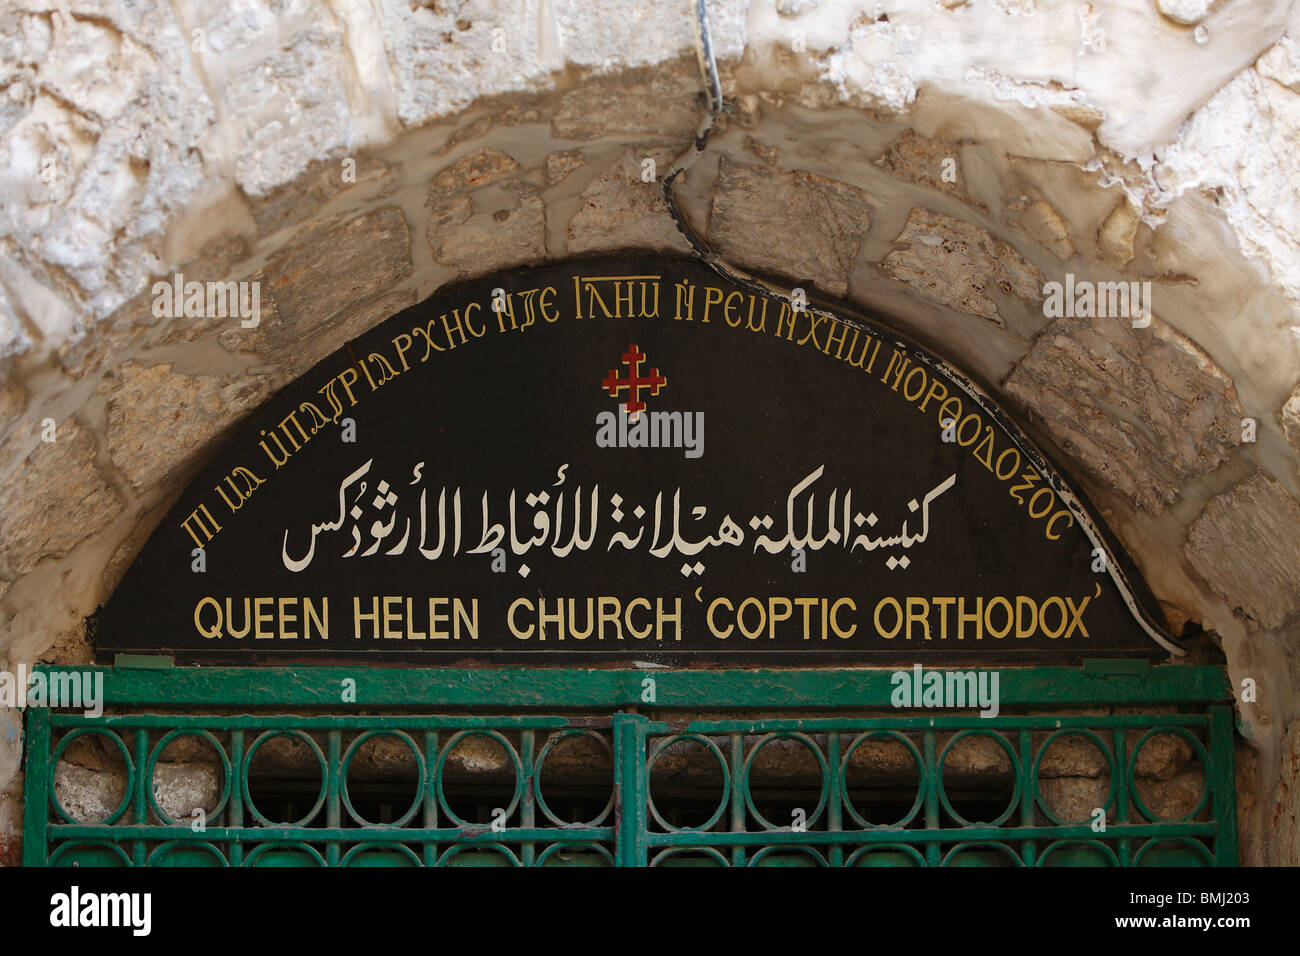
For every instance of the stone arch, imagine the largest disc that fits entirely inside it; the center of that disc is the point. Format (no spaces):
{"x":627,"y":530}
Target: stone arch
{"x":352,"y":165}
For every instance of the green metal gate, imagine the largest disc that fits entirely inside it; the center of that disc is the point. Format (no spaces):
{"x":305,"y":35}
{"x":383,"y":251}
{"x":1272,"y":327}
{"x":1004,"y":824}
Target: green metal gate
{"x":529,"y":713}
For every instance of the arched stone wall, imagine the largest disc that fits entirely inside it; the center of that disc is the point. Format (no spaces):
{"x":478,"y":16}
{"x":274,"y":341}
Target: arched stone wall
{"x":353,"y":157}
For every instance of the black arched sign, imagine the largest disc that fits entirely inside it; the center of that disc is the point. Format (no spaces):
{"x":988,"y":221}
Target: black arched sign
{"x":629,"y":459}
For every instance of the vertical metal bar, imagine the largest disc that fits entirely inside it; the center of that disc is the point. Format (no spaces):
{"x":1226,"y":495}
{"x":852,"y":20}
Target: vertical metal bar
{"x":142,"y":784}
{"x":236,"y":808}
{"x":630,"y":788}
{"x":430,"y":794}
{"x":527,"y":814}
{"x":736,"y":757}
{"x":333,"y":788}
{"x":37,"y":787}
{"x":641,"y":785}
{"x":1121,"y":796}
{"x":617,"y":733}
{"x":1028,"y":785}
{"x":931,"y":769}
{"x":1223,"y":785}
{"x":835,"y":798}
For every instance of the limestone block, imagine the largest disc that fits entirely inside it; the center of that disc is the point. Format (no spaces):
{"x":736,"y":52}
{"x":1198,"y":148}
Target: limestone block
{"x":752,"y":204}
{"x":159,"y":419}
{"x":285,"y":75}
{"x":1290,"y":415}
{"x":579,"y":760}
{"x":11,"y":822}
{"x":14,"y":339}
{"x":486,"y":123}
{"x":86,"y":795}
{"x":11,"y":746}
{"x":1246,"y":544}
{"x":52,"y":500}
{"x":338,"y":263}
{"x":1285,"y":817}
{"x":619,"y":210}
{"x":134,"y":325}
{"x":284,"y":757}
{"x":1073,"y":799}
{"x":477,"y":757}
{"x":1174,"y":798}
{"x":652,"y":105}
{"x":1281,"y":63}
{"x":792,"y":8}
{"x":100,"y":124}
{"x":596,"y":33}
{"x":1045,"y":224}
{"x":924,"y":161}
{"x":953,"y":262}
{"x":512,"y":231}
{"x":323,"y":181}
{"x":882,"y":760}
{"x":1117,"y":235}
{"x":562,"y":162}
{"x":782,"y":762}
{"x":439,"y":57}
{"x":296,"y":347}
{"x":1185,"y":12}
{"x":1143,"y":410}
{"x":181,"y":788}
{"x":13,"y":404}
{"x":1244,"y":146}
{"x":974,"y":759}
{"x":1070,"y":756}
{"x":1162,"y":756}
{"x":480,"y":168}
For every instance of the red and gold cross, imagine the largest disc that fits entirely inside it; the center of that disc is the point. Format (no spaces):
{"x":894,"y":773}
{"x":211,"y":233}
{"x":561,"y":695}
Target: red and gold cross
{"x":634,"y":382}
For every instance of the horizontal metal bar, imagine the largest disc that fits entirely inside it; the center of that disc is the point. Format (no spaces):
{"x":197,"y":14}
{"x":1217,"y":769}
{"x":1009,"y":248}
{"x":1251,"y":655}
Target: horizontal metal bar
{"x":850,"y":724}
{"x":484,"y":834}
{"x":332,"y":722}
{"x":527,"y":688}
{"x":955,"y":835}
{"x":508,"y":722}
{"x":376,"y":834}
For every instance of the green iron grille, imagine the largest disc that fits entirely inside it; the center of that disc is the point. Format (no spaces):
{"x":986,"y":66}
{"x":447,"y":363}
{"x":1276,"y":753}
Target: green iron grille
{"x":742,"y":818}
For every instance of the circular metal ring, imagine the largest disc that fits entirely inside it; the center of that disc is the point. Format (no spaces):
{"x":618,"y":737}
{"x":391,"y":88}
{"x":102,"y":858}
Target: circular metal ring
{"x":557,"y":847}
{"x":1102,"y":749}
{"x":537,"y":778}
{"x":297,"y":846}
{"x":910,"y":851}
{"x":346,"y":763}
{"x":510,"y":752}
{"x":1001,"y":847}
{"x":361,"y":849}
{"x":1015,"y":769}
{"x":152,"y":764}
{"x":1197,"y":747}
{"x":1111,"y":858}
{"x":1201,"y":849}
{"x":248,"y":762}
{"x":920,"y":780}
{"x":649,"y":773}
{"x":821,"y":763}
{"x":458,"y":849}
{"x":708,"y":851}
{"x":163,"y":851}
{"x":787,"y":848}
{"x":130,"y":774}
{"x":58,"y":854}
